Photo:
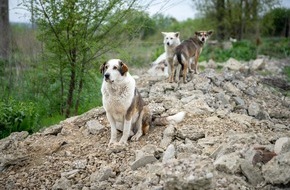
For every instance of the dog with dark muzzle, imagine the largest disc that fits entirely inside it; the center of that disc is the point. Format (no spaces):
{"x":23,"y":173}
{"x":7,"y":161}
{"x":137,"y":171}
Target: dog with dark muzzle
{"x":188,"y":49}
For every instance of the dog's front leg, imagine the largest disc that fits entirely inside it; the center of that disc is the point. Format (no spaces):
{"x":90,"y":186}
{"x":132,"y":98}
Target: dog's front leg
{"x":126,"y":131}
{"x":112,"y":122}
{"x":195,"y":62}
{"x":172,"y":69}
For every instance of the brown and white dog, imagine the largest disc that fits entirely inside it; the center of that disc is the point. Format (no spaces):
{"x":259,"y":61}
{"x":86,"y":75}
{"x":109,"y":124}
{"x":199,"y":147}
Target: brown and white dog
{"x":125,"y":108}
{"x":188,"y":49}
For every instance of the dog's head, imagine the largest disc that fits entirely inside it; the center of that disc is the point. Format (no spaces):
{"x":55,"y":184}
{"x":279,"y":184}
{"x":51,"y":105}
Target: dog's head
{"x":203,"y":35}
{"x":171,"y":38}
{"x":113,"y":70}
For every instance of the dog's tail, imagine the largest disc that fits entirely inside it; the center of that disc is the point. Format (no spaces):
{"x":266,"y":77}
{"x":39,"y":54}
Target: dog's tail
{"x":179,"y":59}
{"x":174,"y":119}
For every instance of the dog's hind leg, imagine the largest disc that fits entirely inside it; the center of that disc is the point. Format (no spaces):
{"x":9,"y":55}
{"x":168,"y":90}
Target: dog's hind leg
{"x":177,"y":75}
{"x":195,"y":66}
{"x":138,"y":126}
{"x":185,"y":71}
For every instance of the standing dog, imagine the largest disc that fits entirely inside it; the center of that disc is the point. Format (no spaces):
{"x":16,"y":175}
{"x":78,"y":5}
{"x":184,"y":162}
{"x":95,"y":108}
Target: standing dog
{"x":189,"y":48}
{"x":125,"y":108}
{"x":171,"y":41}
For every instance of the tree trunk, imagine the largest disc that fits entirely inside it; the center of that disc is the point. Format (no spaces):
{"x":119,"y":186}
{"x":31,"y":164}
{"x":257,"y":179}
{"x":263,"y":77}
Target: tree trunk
{"x":4,"y":29}
{"x":80,"y":87}
{"x":220,"y":8}
{"x":69,"y":102}
{"x":241,"y":18}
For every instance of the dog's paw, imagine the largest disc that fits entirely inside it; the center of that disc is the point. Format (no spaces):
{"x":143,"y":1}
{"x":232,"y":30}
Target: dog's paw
{"x":112,"y":143}
{"x":136,"y":137}
{"x":122,"y":143}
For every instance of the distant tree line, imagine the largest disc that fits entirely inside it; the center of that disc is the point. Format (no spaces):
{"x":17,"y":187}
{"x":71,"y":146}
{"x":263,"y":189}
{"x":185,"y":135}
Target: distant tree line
{"x":245,"y":18}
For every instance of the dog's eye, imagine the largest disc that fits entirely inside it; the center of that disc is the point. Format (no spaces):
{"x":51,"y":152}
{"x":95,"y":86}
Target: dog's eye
{"x":106,"y":67}
{"x":171,"y":38}
{"x":115,"y":68}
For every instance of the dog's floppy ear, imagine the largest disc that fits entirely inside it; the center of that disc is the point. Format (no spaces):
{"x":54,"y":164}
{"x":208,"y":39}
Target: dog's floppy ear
{"x":102,"y":68}
{"x":176,"y":34}
{"x":197,"y":33}
{"x":210,"y":32}
{"x":123,"y":67}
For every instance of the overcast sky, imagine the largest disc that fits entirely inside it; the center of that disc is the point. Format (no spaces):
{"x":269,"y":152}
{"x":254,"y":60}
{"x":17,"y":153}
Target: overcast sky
{"x":179,"y":9}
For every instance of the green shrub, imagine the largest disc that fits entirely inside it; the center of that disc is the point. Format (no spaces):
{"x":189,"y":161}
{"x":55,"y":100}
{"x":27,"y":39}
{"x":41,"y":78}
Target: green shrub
{"x":17,"y":116}
{"x":276,"y":47}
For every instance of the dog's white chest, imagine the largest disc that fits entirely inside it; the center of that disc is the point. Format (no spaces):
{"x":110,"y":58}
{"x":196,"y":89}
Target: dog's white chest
{"x":117,"y":99}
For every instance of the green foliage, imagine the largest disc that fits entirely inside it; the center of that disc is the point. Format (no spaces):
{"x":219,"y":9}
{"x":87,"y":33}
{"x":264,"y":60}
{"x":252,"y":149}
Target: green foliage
{"x":275,"y":47}
{"x":17,"y":116}
{"x":287,"y":72}
{"x":242,"y":50}
{"x":276,"y":22}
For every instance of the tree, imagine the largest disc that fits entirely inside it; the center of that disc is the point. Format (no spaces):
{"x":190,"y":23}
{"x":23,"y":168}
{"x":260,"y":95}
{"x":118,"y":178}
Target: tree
{"x":277,"y":22}
{"x":4,"y":29}
{"x":239,"y":18}
{"x":75,"y":33}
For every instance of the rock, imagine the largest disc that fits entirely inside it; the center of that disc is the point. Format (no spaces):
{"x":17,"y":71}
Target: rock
{"x":143,"y":161}
{"x":282,"y":145}
{"x":276,"y":171}
{"x":103,"y":174}
{"x":253,"y":175}
{"x":263,"y":115}
{"x":262,"y":155}
{"x":197,"y":107}
{"x":202,"y":83}
{"x":169,"y":153}
{"x":17,"y":158}
{"x":94,"y":126}
{"x":233,"y":64}
{"x":253,"y":109}
{"x":191,"y":132}
{"x":80,"y":164}
{"x":62,"y":184}
{"x":190,"y":173}
{"x":186,"y":149}
{"x":168,"y":135}
{"x":229,"y":87}
{"x":70,"y":174}
{"x":241,"y":118}
{"x":18,"y":136}
{"x":53,"y":130}
{"x":229,"y":163}
{"x":239,"y":101}
{"x":257,"y":64}
{"x":223,"y":98}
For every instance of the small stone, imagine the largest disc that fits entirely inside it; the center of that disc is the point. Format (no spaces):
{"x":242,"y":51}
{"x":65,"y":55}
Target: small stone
{"x":143,"y":161}
{"x":80,"y":164}
{"x":253,"y":175}
{"x":94,"y":126}
{"x":229,"y":163}
{"x":53,"y":130}
{"x":169,"y":153}
{"x":62,"y":184}
{"x":282,"y":145}
{"x":253,"y":109}
{"x":102,"y":175}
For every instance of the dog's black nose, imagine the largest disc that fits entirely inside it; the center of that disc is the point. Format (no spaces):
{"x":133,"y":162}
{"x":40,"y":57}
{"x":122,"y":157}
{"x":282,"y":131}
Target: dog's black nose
{"x":168,"y":43}
{"x":202,"y":39}
{"x":107,"y":75}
